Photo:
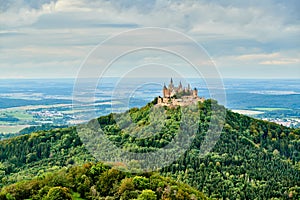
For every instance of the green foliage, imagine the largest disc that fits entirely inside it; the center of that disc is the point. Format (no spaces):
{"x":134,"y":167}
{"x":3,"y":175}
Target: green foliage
{"x":84,"y":182}
{"x":58,"y":193}
{"x":140,"y":182}
{"x":147,"y":195}
{"x":252,"y":159}
{"x":126,"y":185}
{"x":26,"y":156}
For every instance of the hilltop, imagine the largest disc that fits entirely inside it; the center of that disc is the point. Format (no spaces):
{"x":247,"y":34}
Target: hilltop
{"x":252,"y":159}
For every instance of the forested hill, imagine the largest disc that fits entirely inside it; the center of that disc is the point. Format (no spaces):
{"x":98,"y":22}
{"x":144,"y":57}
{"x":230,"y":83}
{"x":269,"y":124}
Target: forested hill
{"x":252,"y":159}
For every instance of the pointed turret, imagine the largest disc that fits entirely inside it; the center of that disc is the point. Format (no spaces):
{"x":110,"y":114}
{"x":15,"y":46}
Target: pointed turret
{"x":171,"y":85}
{"x":180,"y":85}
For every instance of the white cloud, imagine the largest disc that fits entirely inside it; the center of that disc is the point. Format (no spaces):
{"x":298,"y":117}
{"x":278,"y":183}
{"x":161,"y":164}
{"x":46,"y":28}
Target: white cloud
{"x":277,"y":58}
{"x":235,"y":33}
{"x":284,"y":61}
{"x":287,"y":58}
{"x":257,"y":56}
{"x":20,"y":15}
{"x":261,"y":22}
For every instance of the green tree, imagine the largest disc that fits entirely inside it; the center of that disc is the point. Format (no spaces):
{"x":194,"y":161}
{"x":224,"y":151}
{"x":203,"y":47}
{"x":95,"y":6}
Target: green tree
{"x":58,"y":193}
{"x":140,"y":182}
{"x":126,"y":185}
{"x":147,"y":195}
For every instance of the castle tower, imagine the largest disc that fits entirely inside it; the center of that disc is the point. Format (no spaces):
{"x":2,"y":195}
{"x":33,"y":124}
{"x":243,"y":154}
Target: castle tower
{"x":165,"y":91}
{"x":180,"y":87}
{"x":195,"y":93}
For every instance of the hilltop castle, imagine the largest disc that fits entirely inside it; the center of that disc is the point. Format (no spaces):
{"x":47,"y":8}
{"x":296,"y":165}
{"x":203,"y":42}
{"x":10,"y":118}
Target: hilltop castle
{"x":178,"y":96}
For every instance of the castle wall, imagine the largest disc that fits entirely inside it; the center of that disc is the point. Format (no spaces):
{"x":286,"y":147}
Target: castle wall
{"x":190,"y":96}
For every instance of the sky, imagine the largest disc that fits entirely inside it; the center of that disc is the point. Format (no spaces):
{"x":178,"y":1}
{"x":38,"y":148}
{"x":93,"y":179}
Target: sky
{"x":244,"y":39}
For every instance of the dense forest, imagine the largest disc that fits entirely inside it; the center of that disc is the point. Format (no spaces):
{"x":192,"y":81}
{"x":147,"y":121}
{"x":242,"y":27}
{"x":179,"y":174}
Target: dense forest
{"x":252,"y":158}
{"x":99,"y":181}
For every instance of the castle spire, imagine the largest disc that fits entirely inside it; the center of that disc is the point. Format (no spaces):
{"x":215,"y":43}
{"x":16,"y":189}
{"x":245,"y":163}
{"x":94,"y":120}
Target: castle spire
{"x":171,"y":85}
{"x":179,"y":89}
{"x":165,"y":87}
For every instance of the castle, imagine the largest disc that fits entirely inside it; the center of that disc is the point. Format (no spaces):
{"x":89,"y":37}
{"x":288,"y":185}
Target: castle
{"x":178,"y":96}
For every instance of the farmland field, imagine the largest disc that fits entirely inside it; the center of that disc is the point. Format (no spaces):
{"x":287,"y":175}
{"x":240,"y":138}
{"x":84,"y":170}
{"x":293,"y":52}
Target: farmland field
{"x":12,"y":129}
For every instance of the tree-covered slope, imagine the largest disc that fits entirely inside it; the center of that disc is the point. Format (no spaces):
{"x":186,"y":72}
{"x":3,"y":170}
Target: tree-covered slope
{"x":252,"y":159}
{"x":25,"y":156}
{"x":98,"y":181}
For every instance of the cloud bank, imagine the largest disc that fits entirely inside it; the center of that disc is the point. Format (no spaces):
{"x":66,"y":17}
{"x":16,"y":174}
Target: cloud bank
{"x":240,"y":36}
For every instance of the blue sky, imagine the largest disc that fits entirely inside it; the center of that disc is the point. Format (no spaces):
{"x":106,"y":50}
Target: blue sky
{"x":245,"y":39}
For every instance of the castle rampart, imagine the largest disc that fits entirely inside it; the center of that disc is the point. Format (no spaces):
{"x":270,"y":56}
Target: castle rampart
{"x":178,"y":96}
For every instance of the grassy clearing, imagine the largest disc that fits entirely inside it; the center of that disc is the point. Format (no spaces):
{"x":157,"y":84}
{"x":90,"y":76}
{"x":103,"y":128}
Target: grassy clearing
{"x":3,"y":123}
{"x":21,"y":115}
{"x":12,"y":129}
